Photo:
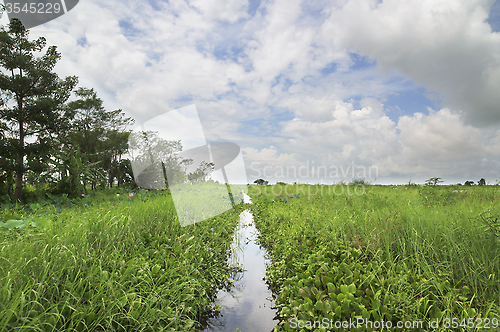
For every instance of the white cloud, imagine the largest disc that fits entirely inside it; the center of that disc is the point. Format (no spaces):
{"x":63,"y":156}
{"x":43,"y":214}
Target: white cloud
{"x":367,"y":131}
{"x":440,"y":136}
{"x":148,"y":58}
{"x":225,"y":10}
{"x":446,"y":46}
{"x":438,"y":143}
{"x":268,"y":163}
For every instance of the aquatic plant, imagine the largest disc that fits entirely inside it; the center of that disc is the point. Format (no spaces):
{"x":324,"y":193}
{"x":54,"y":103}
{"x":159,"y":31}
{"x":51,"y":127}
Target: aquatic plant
{"x":421,"y":253}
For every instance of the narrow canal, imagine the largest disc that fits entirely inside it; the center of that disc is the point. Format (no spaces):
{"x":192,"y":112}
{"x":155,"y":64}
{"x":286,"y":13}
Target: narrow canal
{"x":248,"y":304}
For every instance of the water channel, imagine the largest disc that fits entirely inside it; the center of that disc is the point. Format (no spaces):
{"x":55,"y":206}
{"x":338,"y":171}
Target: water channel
{"x":248,"y":304}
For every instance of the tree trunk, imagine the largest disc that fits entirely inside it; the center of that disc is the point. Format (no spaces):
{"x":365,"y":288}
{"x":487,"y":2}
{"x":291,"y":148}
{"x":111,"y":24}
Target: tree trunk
{"x":19,"y":179}
{"x":20,"y":159}
{"x":6,"y":189}
{"x":110,"y":175}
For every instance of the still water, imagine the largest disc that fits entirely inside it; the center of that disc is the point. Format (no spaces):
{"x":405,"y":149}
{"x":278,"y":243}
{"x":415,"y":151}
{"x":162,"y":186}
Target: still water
{"x":248,"y":305}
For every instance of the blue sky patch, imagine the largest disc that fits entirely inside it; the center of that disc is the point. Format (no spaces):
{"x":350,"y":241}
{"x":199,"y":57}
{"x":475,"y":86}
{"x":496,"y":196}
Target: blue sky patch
{"x":356,"y":101}
{"x":127,"y":28}
{"x":409,"y":103}
{"x":494,"y":17}
{"x":268,"y":127}
{"x":287,"y":83}
{"x":253,"y":5}
{"x":227,"y":51}
{"x":154,"y":4}
{"x":330,"y":68}
{"x":361,"y":62}
{"x":82,"y":41}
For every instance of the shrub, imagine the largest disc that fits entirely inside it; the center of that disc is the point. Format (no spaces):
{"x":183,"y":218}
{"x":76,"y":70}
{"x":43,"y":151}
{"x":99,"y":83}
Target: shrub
{"x":358,"y":182}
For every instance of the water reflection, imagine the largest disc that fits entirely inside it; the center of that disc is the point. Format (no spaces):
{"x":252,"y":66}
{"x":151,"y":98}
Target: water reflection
{"x":247,"y":306}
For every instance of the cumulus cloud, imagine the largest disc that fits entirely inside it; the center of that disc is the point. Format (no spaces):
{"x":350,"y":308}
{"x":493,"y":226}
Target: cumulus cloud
{"x":440,"y":136}
{"x":269,"y":163}
{"x":224,"y":10}
{"x":148,"y":58}
{"x":439,"y":143}
{"x":360,"y":135}
{"x":291,"y":67}
{"x":446,"y":46}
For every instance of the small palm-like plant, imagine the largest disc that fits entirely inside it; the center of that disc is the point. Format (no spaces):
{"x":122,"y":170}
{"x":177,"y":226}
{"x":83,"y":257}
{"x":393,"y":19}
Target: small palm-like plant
{"x":75,"y":174}
{"x":433,"y":181}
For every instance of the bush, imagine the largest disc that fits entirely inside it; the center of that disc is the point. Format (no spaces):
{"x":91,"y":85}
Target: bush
{"x":358,"y":182}
{"x":433,"y":181}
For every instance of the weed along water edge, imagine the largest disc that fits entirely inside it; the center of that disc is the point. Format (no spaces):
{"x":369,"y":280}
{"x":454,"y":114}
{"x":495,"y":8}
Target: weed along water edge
{"x":114,"y":262}
{"x":417,"y":258}
{"x":121,"y":261}
{"x":247,"y":305}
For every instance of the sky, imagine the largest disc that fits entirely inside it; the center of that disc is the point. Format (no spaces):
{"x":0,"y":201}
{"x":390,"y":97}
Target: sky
{"x":312,"y":91}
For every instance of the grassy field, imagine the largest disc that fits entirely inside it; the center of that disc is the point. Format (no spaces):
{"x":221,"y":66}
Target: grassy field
{"x":118,"y":260}
{"x":109,"y":261}
{"x":404,"y":253}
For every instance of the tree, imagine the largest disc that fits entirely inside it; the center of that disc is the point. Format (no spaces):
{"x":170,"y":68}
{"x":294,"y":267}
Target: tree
{"x":32,"y":96}
{"x":7,"y":166}
{"x":115,"y":146}
{"x":261,"y":182}
{"x":125,"y":173}
{"x":481,"y":182}
{"x":433,"y":181}
{"x":358,"y":182}
{"x":99,"y":134}
{"x":201,"y":173}
{"x":469,"y":183}
{"x":154,"y":160}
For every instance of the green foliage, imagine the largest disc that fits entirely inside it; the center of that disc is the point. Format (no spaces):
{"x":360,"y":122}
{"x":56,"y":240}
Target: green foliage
{"x":411,"y":184}
{"x":31,"y":102}
{"x":491,"y":220}
{"x":392,"y":253}
{"x":73,"y":171}
{"x":358,"y":182}
{"x":433,"y":181}
{"x":115,"y":261}
{"x":150,"y":153}
{"x":201,"y":173}
{"x":101,"y":137}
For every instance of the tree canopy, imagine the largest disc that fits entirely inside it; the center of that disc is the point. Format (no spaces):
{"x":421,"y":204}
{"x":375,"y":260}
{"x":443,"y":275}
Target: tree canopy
{"x":70,"y":145}
{"x":31,"y":101}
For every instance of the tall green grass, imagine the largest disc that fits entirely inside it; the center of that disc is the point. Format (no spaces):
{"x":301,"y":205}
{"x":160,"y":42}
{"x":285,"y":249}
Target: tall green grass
{"x":435,"y":248}
{"x":122,"y":264}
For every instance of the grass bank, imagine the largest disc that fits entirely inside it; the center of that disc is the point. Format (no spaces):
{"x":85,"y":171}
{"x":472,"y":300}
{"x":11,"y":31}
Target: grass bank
{"x":405,"y":253}
{"x":113,"y":262}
